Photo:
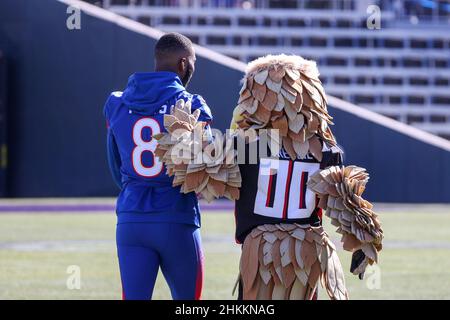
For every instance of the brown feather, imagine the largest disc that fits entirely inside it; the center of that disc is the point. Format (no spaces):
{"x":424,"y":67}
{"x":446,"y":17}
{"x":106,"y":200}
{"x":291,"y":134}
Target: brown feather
{"x":270,"y":100}
{"x":250,"y":82}
{"x":253,"y":292}
{"x":279,"y":292}
{"x":298,"y":104}
{"x":217,"y":188}
{"x":315,"y":147}
{"x":287,"y":144}
{"x":244,"y":95}
{"x":335,"y":278}
{"x":308,"y":254}
{"x":286,"y":86}
{"x":282,"y":125}
{"x":350,"y":243}
{"x":288,"y":275}
{"x":265,"y":291}
{"x":313,"y":125}
{"x":233,"y":192}
{"x":276,"y":74}
{"x":259,"y":91}
{"x":298,"y":291}
{"x":160,"y":152}
{"x":262,"y":114}
{"x":299,"y":137}
{"x":314,"y":274}
{"x":249,"y":259}
{"x":194,"y":179}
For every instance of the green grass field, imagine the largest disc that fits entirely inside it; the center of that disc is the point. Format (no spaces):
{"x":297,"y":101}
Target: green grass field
{"x":36,"y":250}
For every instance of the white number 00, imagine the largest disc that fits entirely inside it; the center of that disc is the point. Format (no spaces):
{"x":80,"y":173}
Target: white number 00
{"x":141,"y":146}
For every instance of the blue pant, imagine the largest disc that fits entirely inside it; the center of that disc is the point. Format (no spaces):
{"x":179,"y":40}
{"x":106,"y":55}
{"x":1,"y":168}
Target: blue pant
{"x":144,"y":247}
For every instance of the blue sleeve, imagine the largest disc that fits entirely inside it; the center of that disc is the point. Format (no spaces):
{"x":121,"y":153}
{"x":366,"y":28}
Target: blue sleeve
{"x":113,"y":158}
{"x":112,"y":151}
{"x":205,"y":112}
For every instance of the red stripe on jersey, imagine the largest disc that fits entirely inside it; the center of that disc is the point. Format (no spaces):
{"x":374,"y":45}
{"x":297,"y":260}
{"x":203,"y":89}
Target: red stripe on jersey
{"x":269,"y":190}
{"x":319,"y":210}
{"x":286,"y":195}
{"x":199,"y":280}
{"x":302,"y":191}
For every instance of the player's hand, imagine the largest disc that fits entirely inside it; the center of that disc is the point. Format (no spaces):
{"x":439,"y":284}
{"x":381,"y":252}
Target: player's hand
{"x":359,"y":263}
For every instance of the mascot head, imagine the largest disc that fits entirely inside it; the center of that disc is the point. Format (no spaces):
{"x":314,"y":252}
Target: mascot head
{"x":284,"y":92}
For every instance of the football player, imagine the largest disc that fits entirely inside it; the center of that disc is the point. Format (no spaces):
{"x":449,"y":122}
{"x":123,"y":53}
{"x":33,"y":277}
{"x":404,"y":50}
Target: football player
{"x":157,"y":226}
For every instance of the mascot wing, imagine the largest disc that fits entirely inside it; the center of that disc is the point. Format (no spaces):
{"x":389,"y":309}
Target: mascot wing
{"x":340,"y":191}
{"x":196,"y":162}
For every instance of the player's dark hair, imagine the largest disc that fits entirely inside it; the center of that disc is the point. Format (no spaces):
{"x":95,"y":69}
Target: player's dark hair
{"x":172,"y":43}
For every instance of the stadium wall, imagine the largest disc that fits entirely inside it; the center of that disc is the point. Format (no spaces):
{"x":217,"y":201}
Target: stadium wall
{"x":59,"y":79}
{"x":3,"y":148}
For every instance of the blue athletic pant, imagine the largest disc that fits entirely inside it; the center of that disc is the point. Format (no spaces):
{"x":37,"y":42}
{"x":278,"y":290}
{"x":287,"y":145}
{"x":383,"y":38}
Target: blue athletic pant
{"x":144,"y":247}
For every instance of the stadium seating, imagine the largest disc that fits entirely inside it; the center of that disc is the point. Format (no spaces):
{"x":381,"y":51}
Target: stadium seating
{"x":401,"y":70}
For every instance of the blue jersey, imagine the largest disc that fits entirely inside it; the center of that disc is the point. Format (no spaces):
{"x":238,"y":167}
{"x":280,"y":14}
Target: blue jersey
{"x":133,"y":117}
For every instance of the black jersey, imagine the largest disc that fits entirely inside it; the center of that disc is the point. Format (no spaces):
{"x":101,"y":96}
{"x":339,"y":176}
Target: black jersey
{"x":274,"y":190}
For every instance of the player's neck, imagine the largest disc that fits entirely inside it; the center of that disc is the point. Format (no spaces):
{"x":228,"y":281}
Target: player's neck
{"x":165,"y":69}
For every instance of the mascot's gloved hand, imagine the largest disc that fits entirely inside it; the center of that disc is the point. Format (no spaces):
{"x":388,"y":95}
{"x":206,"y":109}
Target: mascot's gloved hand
{"x":358,"y":258}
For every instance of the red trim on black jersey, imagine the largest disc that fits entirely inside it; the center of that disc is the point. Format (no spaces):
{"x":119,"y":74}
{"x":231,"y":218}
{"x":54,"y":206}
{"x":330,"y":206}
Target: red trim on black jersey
{"x":319,"y":211}
{"x":271,"y":190}
{"x":287,"y":190}
{"x":236,"y":223}
{"x":303,"y":180}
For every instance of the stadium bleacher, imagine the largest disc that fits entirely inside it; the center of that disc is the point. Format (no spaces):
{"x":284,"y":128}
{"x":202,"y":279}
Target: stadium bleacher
{"x":401,"y":70}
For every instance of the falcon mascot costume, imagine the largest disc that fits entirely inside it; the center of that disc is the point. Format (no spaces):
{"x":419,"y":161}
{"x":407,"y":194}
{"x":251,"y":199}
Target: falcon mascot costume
{"x":279,"y":197}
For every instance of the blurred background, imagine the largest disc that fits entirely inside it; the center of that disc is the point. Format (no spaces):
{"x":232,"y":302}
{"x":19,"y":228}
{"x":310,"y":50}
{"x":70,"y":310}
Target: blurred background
{"x":399,"y":70}
{"x":384,"y":64}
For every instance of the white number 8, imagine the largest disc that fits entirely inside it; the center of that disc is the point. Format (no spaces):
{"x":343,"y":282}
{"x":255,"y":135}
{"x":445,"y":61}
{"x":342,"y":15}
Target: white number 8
{"x":141,"y":146}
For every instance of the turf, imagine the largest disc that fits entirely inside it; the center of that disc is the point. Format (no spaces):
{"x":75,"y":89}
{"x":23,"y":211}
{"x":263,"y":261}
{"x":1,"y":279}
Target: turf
{"x":37,"y":249}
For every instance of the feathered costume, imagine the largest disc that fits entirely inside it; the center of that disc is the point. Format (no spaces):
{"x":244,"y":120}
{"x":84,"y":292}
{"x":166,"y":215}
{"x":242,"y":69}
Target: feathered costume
{"x":279,"y":203}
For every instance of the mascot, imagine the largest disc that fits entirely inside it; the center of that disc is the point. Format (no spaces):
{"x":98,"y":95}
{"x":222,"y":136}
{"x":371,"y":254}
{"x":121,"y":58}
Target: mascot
{"x":281,"y":192}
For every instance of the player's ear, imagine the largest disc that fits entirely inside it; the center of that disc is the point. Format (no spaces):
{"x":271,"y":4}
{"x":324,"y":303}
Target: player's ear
{"x":182,"y":65}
